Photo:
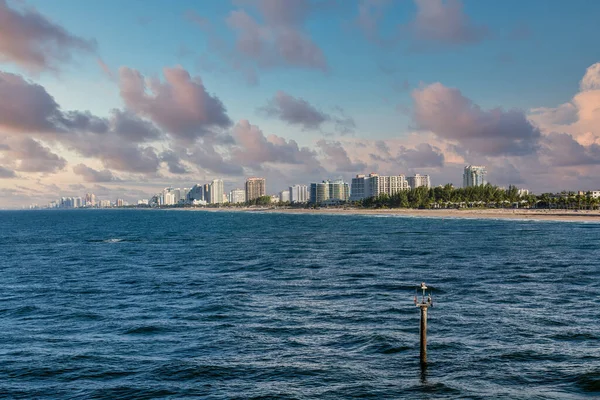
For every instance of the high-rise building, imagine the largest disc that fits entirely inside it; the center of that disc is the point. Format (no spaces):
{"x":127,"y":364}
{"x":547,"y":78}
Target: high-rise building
{"x":90,"y":200}
{"x":474,"y":175}
{"x":284,"y":196}
{"x":168,"y":197}
{"x":373,"y":185}
{"x":196,"y":193}
{"x":418,"y":181}
{"x":329,"y":191}
{"x":255,"y":188}
{"x":216,"y":191}
{"x":319,"y":192}
{"x":207,"y":188}
{"x":339,"y":190}
{"x":299,"y":194}
{"x":237,"y":196}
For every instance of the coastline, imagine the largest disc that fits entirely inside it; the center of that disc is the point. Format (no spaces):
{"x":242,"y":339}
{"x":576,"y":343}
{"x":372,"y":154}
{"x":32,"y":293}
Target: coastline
{"x":509,"y":214}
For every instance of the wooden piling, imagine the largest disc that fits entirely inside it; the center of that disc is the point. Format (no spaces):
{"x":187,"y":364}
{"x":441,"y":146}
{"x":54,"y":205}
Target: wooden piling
{"x":425,"y":303}
{"x":423,"y":352}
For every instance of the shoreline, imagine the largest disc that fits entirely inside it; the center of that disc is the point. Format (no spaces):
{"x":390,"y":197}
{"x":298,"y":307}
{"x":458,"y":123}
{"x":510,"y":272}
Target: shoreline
{"x":509,"y":214}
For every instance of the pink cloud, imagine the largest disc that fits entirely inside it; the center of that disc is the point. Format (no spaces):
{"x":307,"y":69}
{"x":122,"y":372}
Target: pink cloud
{"x":455,"y":118}
{"x":444,"y":22}
{"x":32,"y":41}
{"x":180,"y":105}
{"x":253,"y":148}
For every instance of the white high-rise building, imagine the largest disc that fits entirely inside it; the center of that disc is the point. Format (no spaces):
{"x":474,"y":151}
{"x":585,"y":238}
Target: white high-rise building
{"x":329,"y":191}
{"x":373,"y":185}
{"x":418,"y":181}
{"x":237,"y":196}
{"x":299,"y":194}
{"x":216,"y":191}
{"x":474,"y":175}
{"x":284,"y":196}
{"x":168,"y":197}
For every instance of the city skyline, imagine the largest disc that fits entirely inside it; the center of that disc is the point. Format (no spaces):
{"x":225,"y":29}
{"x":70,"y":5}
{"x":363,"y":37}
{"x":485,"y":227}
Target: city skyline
{"x":315,"y":89}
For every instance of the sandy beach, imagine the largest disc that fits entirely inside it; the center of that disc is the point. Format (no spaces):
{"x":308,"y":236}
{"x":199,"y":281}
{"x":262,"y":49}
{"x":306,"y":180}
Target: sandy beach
{"x":519,"y":214}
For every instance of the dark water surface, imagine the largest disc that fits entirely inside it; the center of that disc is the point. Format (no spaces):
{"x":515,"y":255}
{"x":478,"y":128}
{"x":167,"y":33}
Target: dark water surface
{"x":174,"y":304}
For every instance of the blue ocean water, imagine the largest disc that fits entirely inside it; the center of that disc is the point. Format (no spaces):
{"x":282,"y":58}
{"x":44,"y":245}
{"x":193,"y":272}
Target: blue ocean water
{"x":177,"y":304}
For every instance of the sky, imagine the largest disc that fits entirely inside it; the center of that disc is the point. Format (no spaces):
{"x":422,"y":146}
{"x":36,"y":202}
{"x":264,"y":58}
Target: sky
{"x":122,"y":99}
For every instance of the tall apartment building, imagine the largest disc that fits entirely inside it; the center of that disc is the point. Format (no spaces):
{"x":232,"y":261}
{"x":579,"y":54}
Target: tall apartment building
{"x":284,"y":196}
{"x":237,"y":196}
{"x":418,"y":181}
{"x":329,"y":191}
{"x":372,"y":185}
{"x":216,"y":191}
{"x":90,"y":200}
{"x":474,"y":175}
{"x":196,"y":193}
{"x":255,"y":188}
{"x":299,"y":194}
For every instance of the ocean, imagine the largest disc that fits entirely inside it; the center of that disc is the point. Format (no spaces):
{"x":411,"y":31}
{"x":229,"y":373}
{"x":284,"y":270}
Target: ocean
{"x":146,"y":304}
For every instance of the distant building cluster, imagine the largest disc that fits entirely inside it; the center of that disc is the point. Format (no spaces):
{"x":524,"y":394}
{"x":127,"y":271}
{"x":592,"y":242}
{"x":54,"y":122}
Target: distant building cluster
{"x":373,"y":185}
{"x":88,"y":201}
{"x":209,"y":193}
{"x":327,"y":192}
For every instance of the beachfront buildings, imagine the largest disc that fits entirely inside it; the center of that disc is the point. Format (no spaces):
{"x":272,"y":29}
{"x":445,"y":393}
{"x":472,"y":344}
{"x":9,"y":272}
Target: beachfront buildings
{"x":237,"y":196}
{"x":373,"y":185}
{"x":299,"y":194}
{"x":216,"y":192}
{"x":474,"y":175}
{"x":329,"y":192}
{"x":419,"y":181}
{"x":255,"y":188}
{"x":284,"y":196}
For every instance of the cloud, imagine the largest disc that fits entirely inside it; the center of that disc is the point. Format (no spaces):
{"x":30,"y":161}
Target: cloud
{"x":173,"y":162}
{"x":207,"y":157}
{"x":132,"y":128}
{"x":563,"y":150}
{"x":105,"y":68}
{"x":120,"y":156}
{"x":455,"y":118}
{"x":32,"y":41}
{"x":297,"y":111}
{"x":27,"y":110}
{"x":28,"y":155}
{"x":564,"y":114}
{"x":92,"y":175}
{"x":423,"y":155}
{"x":280,"y":40}
{"x":180,"y":105}
{"x":26,"y":106}
{"x":253,"y":148}
{"x":337,"y":155}
{"x":267,"y":34}
{"x":368,"y":20}
{"x":444,"y":23}
{"x":294,"y":111}
{"x":6,"y":173}
{"x":579,"y":117}
{"x":591,"y":79}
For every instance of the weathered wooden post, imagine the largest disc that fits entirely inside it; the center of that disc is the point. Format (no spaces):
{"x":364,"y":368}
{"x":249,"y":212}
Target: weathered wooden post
{"x":423,"y":305}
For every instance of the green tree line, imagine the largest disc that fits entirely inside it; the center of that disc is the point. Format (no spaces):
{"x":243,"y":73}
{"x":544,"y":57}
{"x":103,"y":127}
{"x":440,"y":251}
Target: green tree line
{"x":485,"y":196}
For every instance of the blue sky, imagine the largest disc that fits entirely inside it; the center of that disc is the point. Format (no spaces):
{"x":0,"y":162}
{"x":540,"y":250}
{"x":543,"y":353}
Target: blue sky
{"x":526,"y":55}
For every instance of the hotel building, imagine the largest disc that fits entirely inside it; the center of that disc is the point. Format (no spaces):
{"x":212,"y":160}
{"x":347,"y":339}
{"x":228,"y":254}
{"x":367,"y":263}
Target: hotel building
{"x":255,"y":188}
